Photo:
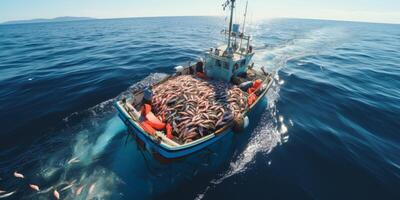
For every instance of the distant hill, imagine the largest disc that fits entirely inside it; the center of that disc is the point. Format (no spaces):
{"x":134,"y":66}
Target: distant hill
{"x":57,"y":19}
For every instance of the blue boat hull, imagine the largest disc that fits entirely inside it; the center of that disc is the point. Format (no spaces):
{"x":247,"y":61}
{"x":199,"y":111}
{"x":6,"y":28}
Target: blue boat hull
{"x":164,"y":154}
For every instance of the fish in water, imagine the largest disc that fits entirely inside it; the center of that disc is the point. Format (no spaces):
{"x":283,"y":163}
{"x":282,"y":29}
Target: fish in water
{"x":46,"y":190}
{"x":18,"y":175}
{"x":73,"y":160}
{"x":7,"y":195}
{"x":2,"y":191}
{"x":56,"y":194}
{"x":34,"y":187}
{"x":79,"y":190}
{"x":91,"y":188}
{"x":67,"y":187}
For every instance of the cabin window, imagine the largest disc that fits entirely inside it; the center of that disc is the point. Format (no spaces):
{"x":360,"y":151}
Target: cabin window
{"x":235,"y":67}
{"x":218,"y":63}
{"x":226,"y":65}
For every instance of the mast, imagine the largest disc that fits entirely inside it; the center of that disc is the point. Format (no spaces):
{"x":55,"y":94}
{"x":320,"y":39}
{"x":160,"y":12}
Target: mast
{"x":230,"y":27}
{"x":244,"y":23}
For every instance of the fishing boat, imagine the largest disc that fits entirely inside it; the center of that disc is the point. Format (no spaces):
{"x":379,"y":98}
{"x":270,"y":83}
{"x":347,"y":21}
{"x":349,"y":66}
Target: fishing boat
{"x":200,"y":115}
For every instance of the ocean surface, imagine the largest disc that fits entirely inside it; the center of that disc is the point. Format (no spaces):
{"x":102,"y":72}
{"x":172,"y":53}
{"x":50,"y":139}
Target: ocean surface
{"x":329,"y":127}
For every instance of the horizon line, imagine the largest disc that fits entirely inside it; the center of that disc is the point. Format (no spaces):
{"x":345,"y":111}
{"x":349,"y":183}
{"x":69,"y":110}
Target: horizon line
{"x":162,"y":16}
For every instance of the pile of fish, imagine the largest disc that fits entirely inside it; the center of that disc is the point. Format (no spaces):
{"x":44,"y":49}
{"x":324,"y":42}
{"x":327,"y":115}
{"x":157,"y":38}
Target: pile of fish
{"x":195,"y":107}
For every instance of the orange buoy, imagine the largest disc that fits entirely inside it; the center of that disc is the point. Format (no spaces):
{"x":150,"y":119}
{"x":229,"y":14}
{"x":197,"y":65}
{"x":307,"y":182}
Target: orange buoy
{"x":147,"y":127}
{"x":147,"y":108}
{"x":154,"y":122}
{"x":257,"y":84}
{"x":251,"y":99}
{"x":251,"y":90}
{"x":169,"y":131}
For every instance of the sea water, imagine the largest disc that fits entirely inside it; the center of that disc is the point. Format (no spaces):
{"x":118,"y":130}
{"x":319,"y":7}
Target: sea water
{"x":328,"y":128}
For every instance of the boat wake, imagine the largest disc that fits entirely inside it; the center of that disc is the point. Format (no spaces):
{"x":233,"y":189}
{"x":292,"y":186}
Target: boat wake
{"x":266,"y":136}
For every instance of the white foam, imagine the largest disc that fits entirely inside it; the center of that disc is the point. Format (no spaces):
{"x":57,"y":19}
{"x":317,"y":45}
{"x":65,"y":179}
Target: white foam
{"x":113,"y":127}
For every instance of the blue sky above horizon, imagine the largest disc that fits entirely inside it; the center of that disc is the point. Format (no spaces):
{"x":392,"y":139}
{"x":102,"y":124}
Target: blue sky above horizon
{"x":386,"y":11}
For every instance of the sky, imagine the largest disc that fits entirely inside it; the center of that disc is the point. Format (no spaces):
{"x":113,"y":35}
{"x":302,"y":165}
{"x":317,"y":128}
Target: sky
{"x":386,"y":11}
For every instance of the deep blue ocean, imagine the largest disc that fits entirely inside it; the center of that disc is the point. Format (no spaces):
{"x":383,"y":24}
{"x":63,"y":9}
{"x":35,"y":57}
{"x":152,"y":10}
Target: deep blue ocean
{"x":329,"y":129}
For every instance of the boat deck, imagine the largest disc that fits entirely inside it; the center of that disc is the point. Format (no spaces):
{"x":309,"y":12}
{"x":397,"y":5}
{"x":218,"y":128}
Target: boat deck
{"x":196,"y":107}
